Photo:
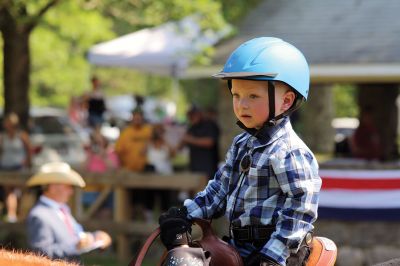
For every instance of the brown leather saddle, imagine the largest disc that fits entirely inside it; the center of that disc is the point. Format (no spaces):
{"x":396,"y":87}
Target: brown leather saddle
{"x":323,"y":252}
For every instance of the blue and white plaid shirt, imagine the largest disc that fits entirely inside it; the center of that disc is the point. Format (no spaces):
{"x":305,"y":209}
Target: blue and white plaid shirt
{"x":281,"y":188}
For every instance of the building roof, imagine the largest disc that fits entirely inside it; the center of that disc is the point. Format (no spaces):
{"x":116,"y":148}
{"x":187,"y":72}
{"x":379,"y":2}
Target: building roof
{"x":330,"y":33}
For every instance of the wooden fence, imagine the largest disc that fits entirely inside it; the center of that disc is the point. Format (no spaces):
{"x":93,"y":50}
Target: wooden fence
{"x":118,"y":182}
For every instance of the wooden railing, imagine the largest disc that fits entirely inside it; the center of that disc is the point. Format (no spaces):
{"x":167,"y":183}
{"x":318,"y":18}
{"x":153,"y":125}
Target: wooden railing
{"x":118,"y":182}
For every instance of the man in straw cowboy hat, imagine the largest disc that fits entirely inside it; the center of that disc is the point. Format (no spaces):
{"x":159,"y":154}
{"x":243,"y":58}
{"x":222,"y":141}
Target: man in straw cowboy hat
{"x":51,"y":228}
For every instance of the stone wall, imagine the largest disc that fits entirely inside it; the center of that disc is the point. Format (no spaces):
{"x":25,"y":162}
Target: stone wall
{"x":362,"y":243}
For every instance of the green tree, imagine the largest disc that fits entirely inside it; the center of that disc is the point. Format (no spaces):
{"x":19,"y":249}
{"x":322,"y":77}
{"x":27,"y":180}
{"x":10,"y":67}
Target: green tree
{"x":234,"y":10}
{"x":59,"y":67}
{"x":18,"y":19}
{"x":58,"y":33}
{"x":345,"y":100}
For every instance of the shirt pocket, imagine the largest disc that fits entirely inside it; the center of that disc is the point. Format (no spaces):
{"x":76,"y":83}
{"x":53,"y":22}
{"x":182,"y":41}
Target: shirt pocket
{"x":262,"y":181}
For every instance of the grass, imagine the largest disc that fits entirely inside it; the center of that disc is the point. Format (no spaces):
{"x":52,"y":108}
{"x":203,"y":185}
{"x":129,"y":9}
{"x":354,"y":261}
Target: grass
{"x":109,"y":257}
{"x":101,"y":260}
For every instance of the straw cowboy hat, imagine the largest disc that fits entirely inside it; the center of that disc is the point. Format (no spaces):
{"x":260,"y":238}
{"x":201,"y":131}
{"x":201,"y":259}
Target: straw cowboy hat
{"x":56,"y":173}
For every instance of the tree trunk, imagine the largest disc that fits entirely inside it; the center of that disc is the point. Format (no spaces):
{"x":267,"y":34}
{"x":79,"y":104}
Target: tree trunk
{"x":316,"y":116}
{"x":16,"y":70}
{"x":381,"y":99}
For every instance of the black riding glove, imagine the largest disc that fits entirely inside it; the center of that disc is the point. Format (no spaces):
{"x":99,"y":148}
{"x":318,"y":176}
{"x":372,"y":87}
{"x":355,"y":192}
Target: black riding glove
{"x":175,"y":227}
{"x":258,"y":259}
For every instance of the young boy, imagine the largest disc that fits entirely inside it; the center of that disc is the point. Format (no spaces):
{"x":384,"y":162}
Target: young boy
{"x":269,"y":186}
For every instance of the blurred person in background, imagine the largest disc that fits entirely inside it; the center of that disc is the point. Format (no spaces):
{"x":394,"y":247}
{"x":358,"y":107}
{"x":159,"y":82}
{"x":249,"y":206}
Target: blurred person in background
{"x":96,"y":105}
{"x":131,"y":148}
{"x":202,"y":139}
{"x":76,"y":110}
{"x":365,"y":143}
{"x":159,"y":154}
{"x":211,"y":116}
{"x":52,"y":230}
{"x":101,"y":157}
{"x":15,"y":155}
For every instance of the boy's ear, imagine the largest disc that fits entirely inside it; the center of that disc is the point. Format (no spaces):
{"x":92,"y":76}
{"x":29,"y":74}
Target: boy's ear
{"x":288,"y":99}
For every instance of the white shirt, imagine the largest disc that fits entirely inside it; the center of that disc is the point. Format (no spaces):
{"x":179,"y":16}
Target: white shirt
{"x":159,"y":158}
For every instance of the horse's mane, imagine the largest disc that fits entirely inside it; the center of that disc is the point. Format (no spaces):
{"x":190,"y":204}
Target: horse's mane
{"x":20,"y":258}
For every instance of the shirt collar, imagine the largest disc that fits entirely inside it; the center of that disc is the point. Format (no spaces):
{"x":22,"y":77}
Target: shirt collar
{"x":52,"y":203}
{"x":267,"y":134}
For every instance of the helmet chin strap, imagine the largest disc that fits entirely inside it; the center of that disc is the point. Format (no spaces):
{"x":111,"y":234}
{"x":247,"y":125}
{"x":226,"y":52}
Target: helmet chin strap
{"x":271,"y":121}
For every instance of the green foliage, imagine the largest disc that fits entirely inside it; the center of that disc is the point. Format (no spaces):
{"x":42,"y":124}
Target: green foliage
{"x":67,"y":30}
{"x":345,"y":100}
{"x":24,"y":8}
{"x":134,"y":15}
{"x":59,"y":67}
{"x":203,"y":93}
{"x":130,"y":16}
{"x":234,"y":10}
{"x":124,"y":81}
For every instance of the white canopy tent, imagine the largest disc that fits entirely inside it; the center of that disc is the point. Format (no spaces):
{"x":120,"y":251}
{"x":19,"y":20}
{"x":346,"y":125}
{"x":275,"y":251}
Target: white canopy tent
{"x":164,"y":50}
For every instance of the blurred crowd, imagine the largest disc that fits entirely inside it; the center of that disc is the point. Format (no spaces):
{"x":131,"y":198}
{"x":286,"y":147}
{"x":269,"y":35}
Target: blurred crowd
{"x":144,"y":146}
{"x":141,"y":147}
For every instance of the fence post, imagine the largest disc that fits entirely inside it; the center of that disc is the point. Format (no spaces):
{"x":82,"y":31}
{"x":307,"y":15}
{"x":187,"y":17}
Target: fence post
{"x":121,"y":214}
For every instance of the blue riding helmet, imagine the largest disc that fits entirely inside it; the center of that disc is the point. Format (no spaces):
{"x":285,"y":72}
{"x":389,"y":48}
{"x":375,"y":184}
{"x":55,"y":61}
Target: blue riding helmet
{"x":268,"y":58}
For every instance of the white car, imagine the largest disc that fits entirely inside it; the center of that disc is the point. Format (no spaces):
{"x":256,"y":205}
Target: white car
{"x":55,"y":138}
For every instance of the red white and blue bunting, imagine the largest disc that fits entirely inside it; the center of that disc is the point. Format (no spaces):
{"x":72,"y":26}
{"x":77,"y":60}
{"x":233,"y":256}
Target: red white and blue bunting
{"x":360,"y":194}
